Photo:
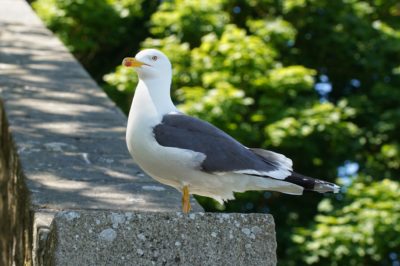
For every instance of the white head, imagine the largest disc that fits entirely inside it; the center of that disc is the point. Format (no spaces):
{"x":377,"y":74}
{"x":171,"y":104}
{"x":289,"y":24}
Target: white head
{"x":150,"y":64}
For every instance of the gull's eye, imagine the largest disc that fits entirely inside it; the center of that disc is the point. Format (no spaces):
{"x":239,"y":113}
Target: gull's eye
{"x":154,"y":58}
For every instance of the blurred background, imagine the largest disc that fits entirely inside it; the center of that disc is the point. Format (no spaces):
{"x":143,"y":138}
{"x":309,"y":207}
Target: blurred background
{"x":316,"y":80}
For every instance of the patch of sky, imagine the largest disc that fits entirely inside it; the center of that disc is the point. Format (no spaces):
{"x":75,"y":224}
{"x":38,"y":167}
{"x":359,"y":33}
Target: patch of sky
{"x":352,"y":85}
{"x":290,"y":43}
{"x":324,"y":78}
{"x":323,"y":88}
{"x":394,"y":257}
{"x":347,"y":173}
{"x":355,"y":83}
{"x":349,"y":168}
{"x":237,"y":9}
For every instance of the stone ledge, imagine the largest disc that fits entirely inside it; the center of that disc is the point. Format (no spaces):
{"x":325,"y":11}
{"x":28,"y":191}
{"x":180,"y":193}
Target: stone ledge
{"x":135,"y":238}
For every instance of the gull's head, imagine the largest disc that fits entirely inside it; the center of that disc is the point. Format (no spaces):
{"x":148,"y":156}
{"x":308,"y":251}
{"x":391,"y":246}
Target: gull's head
{"x":150,"y":64}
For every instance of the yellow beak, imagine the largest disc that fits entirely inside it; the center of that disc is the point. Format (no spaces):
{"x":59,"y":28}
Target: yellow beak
{"x":132,"y":62}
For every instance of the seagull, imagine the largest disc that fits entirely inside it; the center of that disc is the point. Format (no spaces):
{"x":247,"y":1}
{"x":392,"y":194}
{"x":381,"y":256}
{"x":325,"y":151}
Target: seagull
{"x":192,"y":155}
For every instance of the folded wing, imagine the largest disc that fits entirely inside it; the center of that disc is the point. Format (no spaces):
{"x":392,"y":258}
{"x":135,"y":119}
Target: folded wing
{"x":223,"y":153}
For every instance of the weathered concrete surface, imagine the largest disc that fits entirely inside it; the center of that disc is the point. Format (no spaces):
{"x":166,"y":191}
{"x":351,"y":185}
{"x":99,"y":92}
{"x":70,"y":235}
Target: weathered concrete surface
{"x":15,"y":229}
{"x":132,"y":238}
{"x":69,"y":150}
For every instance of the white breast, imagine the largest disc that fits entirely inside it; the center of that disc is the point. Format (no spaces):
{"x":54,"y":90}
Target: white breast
{"x":165,"y":164}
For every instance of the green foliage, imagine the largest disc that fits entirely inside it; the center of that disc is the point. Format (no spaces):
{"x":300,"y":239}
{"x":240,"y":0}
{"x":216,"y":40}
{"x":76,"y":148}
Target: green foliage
{"x":194,"y":19}
{"x":66,"y":18}
{"x":362,"y":229}
{"x":325,"y":123}
{"x":275,"y":31}
{"x":97,"y":32}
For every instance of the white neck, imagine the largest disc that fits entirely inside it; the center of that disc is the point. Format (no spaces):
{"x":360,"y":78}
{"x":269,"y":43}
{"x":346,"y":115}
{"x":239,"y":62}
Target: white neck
{"x":152,"y":99}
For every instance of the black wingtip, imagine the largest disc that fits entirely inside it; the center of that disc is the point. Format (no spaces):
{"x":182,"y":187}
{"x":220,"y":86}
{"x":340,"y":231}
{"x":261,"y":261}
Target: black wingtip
{"x":309,"y":183}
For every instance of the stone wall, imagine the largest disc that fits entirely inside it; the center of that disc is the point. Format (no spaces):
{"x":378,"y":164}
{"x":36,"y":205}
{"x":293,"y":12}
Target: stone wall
{"x":15,"y":229}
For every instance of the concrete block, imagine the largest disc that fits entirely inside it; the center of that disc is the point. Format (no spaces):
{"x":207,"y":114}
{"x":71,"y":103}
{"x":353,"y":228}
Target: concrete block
{"x":135,"y":238}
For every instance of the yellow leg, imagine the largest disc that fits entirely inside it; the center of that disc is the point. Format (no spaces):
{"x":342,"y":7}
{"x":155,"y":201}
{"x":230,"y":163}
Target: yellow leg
{"x":186,"y":200}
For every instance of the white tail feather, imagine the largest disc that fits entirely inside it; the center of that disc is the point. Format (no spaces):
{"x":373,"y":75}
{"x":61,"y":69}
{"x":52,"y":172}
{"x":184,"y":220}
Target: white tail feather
{"x":261,"y":183}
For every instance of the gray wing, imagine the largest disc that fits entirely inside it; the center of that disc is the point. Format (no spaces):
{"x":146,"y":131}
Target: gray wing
{"x":223,"y":153}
